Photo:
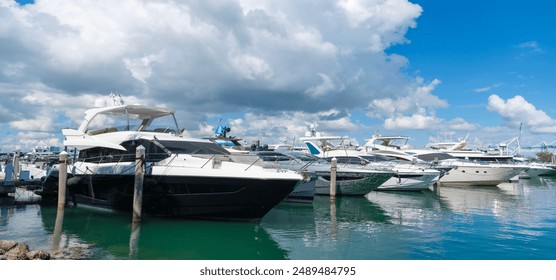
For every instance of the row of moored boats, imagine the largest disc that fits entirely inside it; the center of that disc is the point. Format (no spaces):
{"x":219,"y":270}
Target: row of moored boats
{"x":217,"y":178}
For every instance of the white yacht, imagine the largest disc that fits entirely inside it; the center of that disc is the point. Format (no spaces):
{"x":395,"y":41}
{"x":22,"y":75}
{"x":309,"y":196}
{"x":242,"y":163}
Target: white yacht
{"x":349,"y":181}
{"x":184,"y":177}
{"x":535,"y":168}
{"x":409,"y":175}
{"x":465,"y":166}
{"x":465,"y":172}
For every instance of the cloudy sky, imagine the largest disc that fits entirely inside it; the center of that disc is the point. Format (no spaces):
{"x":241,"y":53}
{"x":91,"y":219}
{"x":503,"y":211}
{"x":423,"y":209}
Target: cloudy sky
{"x":268,"y":69}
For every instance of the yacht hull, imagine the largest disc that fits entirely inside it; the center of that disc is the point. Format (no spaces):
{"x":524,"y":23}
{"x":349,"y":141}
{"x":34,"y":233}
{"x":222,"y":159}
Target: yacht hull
{"x":349,"y":183}
{"x":479,"y":175}
{"x":409,"y":183}
{"x":304,"y":192}
{"x":178,"y":196}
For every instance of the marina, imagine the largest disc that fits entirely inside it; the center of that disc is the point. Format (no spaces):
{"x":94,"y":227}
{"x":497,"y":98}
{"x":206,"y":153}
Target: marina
{"x":391,"y":139}
{"x":511,"y":221}
{"x":140,"y":190}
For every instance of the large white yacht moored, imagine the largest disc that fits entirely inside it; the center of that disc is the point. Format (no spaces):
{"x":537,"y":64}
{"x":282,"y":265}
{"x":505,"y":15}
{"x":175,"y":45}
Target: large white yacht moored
{"x":466,"y":172}
{"x":408,"y":176}
{"x":184,"y":177}
{"x":464,"y":167}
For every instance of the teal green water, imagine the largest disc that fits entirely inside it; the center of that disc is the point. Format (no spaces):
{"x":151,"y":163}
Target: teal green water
{"x":510,"y":221}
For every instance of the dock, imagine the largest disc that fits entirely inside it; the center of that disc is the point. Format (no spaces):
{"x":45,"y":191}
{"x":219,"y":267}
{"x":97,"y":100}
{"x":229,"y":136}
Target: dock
{"x":18,"y":178}
{"x":19,"y":193}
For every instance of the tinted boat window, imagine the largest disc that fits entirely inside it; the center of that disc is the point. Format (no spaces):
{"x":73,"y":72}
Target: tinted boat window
{"x":376,"y":158}
{"x":152,"y":151}
{"x":304,"y":157}
{"x":100,"y":154}
{"x":273,"y":156}
{"x":349,"y":160}
{"x":190,"y":147}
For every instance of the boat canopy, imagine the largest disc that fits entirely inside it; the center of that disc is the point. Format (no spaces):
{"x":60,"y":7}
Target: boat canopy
{"x":139,"y":112}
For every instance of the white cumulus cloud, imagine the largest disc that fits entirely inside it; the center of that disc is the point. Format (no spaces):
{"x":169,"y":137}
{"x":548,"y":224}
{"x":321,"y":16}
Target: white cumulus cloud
{"x":414,"y":110}
{"x":517,"y":110}
{"x":202,"y":57}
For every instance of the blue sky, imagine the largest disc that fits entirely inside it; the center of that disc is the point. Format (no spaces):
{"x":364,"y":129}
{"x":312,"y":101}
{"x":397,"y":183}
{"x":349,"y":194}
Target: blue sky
{"x":501,"y":47}
{"x":427,"y":69}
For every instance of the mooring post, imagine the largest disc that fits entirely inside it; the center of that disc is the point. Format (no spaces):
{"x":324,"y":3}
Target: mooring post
{"x":138,"y":190}
{"x":333,"y":177}
{"x":57,"y":233}
{"x":16,"y":166}
{"x":134,"y":240}
{"x":62,"y":179}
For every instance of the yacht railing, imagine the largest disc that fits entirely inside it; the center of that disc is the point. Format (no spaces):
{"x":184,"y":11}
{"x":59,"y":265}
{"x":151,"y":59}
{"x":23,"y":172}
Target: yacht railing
{"x":118,"y":159}
{"x":126,"y":162}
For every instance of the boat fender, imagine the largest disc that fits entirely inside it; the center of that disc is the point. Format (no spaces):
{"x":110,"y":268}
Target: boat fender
{"x":73,"y":181}
{"x":306,"y":177}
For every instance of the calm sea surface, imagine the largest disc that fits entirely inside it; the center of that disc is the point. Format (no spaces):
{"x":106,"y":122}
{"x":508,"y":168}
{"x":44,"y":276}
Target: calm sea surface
{"x":507,"y":222}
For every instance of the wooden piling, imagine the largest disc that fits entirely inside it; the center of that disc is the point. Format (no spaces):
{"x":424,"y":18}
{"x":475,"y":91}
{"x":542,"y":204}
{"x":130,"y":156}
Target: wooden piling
{"x":62,"y":179}
{"x":138,"y":188}
{"x":333,"y":177}
{"x":134,"y":240}
{"x":57,"y":233}
{"x":16,"y":166}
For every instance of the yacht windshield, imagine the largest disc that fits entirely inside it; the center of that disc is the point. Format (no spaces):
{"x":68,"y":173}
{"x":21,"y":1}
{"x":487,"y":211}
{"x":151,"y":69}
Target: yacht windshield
{"x":132,"y":122}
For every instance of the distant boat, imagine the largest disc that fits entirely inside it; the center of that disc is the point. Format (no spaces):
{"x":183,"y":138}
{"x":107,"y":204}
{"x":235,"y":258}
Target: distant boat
{"x":184,"y":177}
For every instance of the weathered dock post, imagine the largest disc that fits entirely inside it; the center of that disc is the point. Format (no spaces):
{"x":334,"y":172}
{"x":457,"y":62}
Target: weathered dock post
{"x":62,"y":179}
{"x":134,"y":240}
{"x":62,"y":184}
{"x":16,"y":166}
{"x":333,"y":177}
{"x":333,"y":169}
{"x":138,"y":188}
{"x":57,"y":233}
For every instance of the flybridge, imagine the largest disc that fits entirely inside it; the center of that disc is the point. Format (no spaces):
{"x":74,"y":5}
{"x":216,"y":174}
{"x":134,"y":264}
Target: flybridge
{"x":387,"y":142}
{"x":129,"y":113}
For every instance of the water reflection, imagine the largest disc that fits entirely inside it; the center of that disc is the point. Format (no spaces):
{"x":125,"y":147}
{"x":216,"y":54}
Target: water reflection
{"x":540,"y":182}
{"x":20,"y":222}
{"x":486,"y":200}
{"x":114,"y":237}
{"x":5,"y":211}
{"x":6,"y":201}
{"x":509,"y":221}
{"x":347,"y":228}
{"x":409,"y":208}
